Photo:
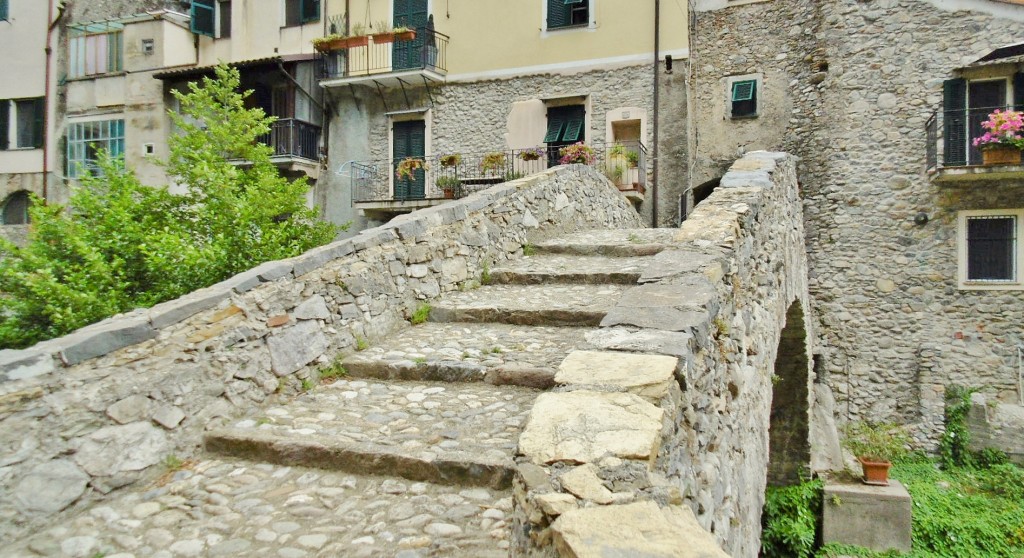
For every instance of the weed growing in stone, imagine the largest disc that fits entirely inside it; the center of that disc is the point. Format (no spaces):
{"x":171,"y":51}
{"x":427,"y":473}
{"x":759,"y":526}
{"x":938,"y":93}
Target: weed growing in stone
{"x":333,"y":371}
{"x":420,"y":315}
{"x":485,"y":275}
{"x":262,"y":420}
{"x":529,"y":249}
{"x":307,"y":384}
{"x":173,"y":463}
{"x":362,"y":344}
{"x":465,"y":355}
{"x":420,"y":360}
{"x":634,"y":238}
{"x":496,"y":350}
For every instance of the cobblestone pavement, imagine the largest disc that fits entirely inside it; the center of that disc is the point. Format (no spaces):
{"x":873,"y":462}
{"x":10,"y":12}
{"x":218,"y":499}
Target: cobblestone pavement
{"x":418,"y":417}
{"x":237,"y":508}
{"x":472,"y":350}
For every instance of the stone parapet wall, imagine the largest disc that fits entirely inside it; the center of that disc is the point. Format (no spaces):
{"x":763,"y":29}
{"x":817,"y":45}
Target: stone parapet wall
{"x":690,"y":434}
{"x":95,"y":410}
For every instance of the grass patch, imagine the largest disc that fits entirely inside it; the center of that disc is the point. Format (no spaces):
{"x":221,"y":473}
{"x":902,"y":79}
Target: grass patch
{"x":333,"y":371}
{"x":485,"y":274}
{"x":420,"y":360}
{"x":529,"y":249}
{"x":362,"y":344}
{"x":420,"y":315}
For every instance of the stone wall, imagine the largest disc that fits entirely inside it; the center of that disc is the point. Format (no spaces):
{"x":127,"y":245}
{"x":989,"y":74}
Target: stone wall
{"x":848,"y":88}
{"x":90,"y":412}
{"x":692,"y":432}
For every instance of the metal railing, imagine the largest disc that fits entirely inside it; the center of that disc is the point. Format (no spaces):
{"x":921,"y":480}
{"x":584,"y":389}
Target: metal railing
{"x":290,"y":137}
{"x":950,"y":136}
{"x":427,"y":51}
{"x":454,"y":175}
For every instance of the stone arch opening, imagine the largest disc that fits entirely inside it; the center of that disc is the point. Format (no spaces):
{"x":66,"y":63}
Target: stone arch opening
{"x":789,"y":449}
{"x":15,"y":208}
{"x":703,"y":191}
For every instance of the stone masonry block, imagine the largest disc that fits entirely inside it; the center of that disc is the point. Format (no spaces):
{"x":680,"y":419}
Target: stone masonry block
{"x":18,"y":365}
{"x":295,"y":347}
{"x":174,"y":311}
{"x":648,"y":376}
{"x":584,"y":426}
{"x":640,"y":529}
{"x":875,"y":517}
{"x":104,"y":338}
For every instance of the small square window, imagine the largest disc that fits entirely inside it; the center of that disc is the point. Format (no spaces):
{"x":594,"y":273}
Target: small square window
{"x":743,"y":98}
{"x":148,"y":46}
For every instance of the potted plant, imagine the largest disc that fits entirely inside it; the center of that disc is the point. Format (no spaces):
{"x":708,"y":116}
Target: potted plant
{"x":531,"y":154}
{"x":450,"y":160}
{"x":403,"y":33}
{"x":327,"y":43}
{"x":493,"y":163}
{"x":577,"y":153}
{"x":875,"y":445}
{"x":382,"y":33}
{"x":408,"y":167}
{"x":632,"y":163}
{"x":1003,"y":139}
{"x":450,"y":185}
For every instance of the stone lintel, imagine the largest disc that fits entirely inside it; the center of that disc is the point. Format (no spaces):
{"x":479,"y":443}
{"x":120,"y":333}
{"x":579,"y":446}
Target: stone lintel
{"x":639,"y":529}
{"x":584,"y":426}
{"x":648,"y":376}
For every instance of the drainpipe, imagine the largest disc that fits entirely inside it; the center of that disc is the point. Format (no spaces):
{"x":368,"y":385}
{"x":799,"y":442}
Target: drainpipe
{"x":657,"y":84}
{"x":51,"y":24}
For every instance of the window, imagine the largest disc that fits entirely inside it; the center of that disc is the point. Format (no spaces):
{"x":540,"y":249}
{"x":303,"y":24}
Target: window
{"x":3,"y":10}
{"x":297,"y":12}
{"x":86,"y":139}
{"x":95,"y":53}
{"x":224,"y":19}
{"x":21,"y":123}
{"x":966,"y":104}
{"x":989,"y":248}
{"x":568,"y":13}
{"x":743,"y":98}
{"x":148,"y":46}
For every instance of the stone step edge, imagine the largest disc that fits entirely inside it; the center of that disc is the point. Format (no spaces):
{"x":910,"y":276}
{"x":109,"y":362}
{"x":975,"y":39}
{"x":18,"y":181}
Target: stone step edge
{"x":513,"y":277}
{"x":613,"y":250}
{"x":538,"y":317}
{"x":449,"y":371}
{"x":449,"y":468}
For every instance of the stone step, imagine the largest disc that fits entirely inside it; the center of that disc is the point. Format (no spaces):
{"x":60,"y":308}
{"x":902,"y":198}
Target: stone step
{"x":452,"y":434}
{"x":616,"y":242}
{"x":458,"y":352}
{"x":542,"y":305}
{"x":562,"y":268}
{"x":235,"y":508}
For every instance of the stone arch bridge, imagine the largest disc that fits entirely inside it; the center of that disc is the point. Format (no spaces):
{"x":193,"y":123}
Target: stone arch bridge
{"x":581,"y":385}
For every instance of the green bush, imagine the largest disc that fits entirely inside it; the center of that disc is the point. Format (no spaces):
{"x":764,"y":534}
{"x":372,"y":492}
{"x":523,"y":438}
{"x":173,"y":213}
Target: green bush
{"x":790,"y":520}
{"x":120,"y":245}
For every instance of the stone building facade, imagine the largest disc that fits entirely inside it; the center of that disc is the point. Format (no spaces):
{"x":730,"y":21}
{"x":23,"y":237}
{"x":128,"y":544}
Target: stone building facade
{"x":849,"y":87}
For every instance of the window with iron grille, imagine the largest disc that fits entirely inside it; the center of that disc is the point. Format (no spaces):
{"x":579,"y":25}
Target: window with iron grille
{"x":989,"y":249}
{"x":568,"y":13}
{"x":298,"y":12}
{"x":95,"y":53}
{"x":86,"y":139}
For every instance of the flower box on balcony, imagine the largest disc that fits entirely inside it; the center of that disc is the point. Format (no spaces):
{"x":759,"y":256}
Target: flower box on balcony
{"x":332,"y":43}
{"x":1001,"y":155}
{"x":381,"y":38}
{"x":405,"y":35}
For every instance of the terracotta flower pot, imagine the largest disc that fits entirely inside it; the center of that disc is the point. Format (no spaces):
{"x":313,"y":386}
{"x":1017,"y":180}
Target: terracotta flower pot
{"x":1000,"y":155}
{"x":405,"y":36}
{"x":379,"y":38}
{"x":875,"y":472}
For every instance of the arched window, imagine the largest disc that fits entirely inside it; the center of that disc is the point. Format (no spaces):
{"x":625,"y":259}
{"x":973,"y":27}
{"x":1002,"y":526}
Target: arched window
{"x":15,"y":210}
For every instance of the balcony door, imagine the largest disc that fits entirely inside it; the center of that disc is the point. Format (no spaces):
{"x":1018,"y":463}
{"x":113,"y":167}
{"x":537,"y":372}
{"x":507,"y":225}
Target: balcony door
{"x":412,"y":14}
{"x":983,"y":97}
{"x":565,"y":127}
{"x":409,"y":142}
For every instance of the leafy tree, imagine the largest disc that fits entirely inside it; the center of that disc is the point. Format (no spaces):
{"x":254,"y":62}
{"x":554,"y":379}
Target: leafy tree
{"x":120,"y":245}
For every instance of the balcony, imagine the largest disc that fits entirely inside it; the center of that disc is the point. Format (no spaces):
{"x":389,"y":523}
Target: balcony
{"x":395,"y":63}
{"x":380,"y":192}
{"x":951,"y":157}
{"x":296,"y":146}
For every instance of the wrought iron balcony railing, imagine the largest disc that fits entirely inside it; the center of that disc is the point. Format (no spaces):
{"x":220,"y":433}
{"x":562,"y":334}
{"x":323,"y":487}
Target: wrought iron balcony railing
{"x":951,"y":133}
{"x":290,"y":137}
{"x":455,"y":175}
{"x":427,"y":51}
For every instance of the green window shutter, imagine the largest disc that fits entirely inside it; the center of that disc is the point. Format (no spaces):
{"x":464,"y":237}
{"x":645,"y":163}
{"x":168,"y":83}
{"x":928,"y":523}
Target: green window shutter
{"x":559,"y":14}
{"x":5,"y":124}
{"x":954,"y":106}
{"x":572,"y":130}
{"x":568,"y":2}
{"x":310,"y":10}
{"x":555,"y":127}
{"x":743,"y":90}
{"x":1018,"y":91}
{"x":38,"y":121}
{"x":3,"y":10}
{"x":202,"y":17}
